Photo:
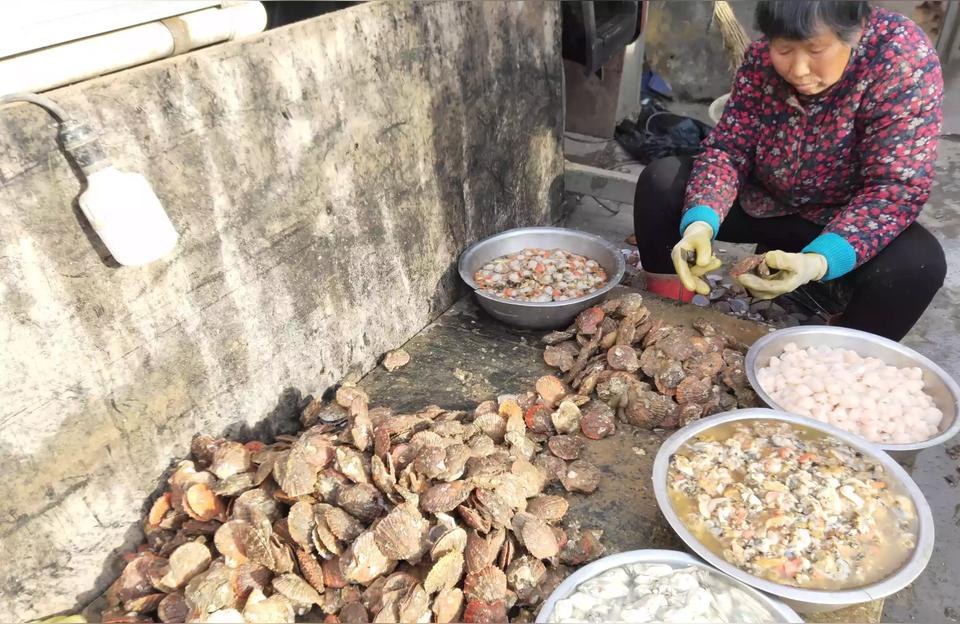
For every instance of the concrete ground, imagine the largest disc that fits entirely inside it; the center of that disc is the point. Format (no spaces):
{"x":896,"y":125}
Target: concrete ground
{"x":933,"y":596}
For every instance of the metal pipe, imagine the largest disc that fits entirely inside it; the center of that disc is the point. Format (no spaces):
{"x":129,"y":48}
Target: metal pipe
{"x":86,"y":58}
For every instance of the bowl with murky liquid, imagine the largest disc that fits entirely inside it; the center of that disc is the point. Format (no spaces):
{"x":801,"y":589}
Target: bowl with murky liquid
{"x":794,"y":507}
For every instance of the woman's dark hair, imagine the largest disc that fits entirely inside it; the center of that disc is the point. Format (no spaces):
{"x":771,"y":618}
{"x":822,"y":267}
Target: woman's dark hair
{"x":803,"y":19}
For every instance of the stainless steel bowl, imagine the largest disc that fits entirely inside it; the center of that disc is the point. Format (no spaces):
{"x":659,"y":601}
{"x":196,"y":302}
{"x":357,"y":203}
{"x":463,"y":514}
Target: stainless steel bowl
{"x":779,"y":612}
{"x":552,"y":314}
{"x":803,"y":600}
{"x":940,"y":386}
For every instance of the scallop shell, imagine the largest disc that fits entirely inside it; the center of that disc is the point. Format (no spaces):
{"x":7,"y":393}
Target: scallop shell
{"x":567,"y":418}
{"x":482,"y":551}
{"x":510,"y":408}
{"x":474,"y":519}
{"x":491,"y":424}
{"x":300,"y":523}
{"x":649,"y":409}
{"x":456,"y":460}
{"x":144,"y":604}
{"x":262,"y":610}
{"x":552,"y":390}
{"x":652,"y":361}
{"x":488,"y":584}
{"x":347,"y":393}
{"x":669,"y":378}
{"x":507,"y":552}
{"x":229,"y":459}
{"x":173,"y":608}
{"x":524,"y":575}
{"x":704,"y":365}
{"x":597,"y":421}
{"x":623,"y":357}
{"x":548,"y":508}
{"x":486,"y":407}
{"x":750,"y":264}
{"x":480,"y":612}
{"x":414,"y":606}
{"x":445,"y":497}
{"x":482,"y":445}
{"x":493,"y":506}
{"x":535,"y":535}
{"x":733,"y":375}
{"x":342,"y":525}
{"x":452,"y":540}
{"x":693,"y":390}
{"x":211,"y":590}
{"x":581,"y":476}
{"x":582,"y":548}
{"x":234,"y":485}
{"x":239,"y":541}
{"x":657,"y":330}
{"x":689,"y":413}
{"x":431,"y":462}
{"x":256,"y":506}
{"x":551,"y":465}
{"x":185,"y":562}
{"x":158,"y":510}
{"x":556,"y":337}
{"x":445,"y":573}
{"x":247,"y":577}
{"x":562,"y":356}
{"x":297,"y":590}
{"x":383,"y":477}
{"x":565,"y":446}
{"x":332,"y":575}
{"x":676,"y":345}
{"x":361,"y":430}
{"x":362,"y":501}
{"x":400,"y":534}
{"x":448,"y":606}
{"x":353,"y":613}
{"x":588,"y":321}
{"x":537,"y":418}
{"x":352,"y":464}
{"x":324,"y":540}
{"x":396,"y":359}
{"x":200,"y":503}
{"x":363,"y":561}
{"x":311,"y":569}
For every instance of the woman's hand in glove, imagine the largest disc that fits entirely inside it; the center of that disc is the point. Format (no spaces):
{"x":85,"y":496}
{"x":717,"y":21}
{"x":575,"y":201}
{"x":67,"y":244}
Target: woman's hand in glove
{"x":697,"y":241}
{"x":789,"y":272}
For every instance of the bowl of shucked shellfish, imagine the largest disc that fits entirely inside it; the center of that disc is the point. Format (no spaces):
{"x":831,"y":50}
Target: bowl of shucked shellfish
{"x":794,"y":507}
{"x":859,"y":382}
{"x":540,"y":277}
{"x":658,"y":586}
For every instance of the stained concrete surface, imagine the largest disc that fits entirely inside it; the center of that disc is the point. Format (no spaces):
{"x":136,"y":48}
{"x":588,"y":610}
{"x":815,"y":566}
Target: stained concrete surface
{"x":933,"y":597}
{"x":323,"y":176}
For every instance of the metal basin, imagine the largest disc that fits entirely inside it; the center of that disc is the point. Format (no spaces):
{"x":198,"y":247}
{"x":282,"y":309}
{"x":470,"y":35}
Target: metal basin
{"x":939,"y":385}
{"x":803,"y":600}
{"x":552,"y":314}
{"x":779,"y":612}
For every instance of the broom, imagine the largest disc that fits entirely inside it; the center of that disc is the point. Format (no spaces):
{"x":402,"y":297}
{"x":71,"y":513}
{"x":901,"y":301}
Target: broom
{"x":735,"y":39}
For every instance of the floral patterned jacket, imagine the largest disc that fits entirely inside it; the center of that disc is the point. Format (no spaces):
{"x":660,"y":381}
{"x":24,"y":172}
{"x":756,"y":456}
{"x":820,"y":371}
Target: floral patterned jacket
{"x":858,"y":159}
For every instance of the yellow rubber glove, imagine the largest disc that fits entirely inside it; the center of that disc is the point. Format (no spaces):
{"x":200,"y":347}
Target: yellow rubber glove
{"x":790,"y":271}
{"x":697,"y":240}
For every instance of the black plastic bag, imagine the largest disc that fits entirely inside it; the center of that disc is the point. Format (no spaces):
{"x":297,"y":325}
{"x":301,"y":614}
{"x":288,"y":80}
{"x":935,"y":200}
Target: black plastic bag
{"x":658,"y":133}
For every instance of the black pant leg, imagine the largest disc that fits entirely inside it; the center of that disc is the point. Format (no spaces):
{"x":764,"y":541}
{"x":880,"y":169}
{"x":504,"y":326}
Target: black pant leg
{"x":891,"y":291}
{"x":657,"y":204}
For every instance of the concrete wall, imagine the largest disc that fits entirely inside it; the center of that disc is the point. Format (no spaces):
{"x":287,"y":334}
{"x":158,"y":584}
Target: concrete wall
{"x":323,"y":177}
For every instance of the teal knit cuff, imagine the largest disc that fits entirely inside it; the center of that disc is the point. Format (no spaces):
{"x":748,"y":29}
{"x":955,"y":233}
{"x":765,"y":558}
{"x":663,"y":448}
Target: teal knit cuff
{"x":701,"y":213}
{"x":840,"y":255}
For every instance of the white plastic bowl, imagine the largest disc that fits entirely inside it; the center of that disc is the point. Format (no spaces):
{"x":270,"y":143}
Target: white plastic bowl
{"x":779,"y":612}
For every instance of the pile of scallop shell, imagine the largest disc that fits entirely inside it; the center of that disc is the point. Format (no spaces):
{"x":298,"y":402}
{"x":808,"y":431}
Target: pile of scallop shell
{"x":366,"y":516}
{"x":646,"y":372}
